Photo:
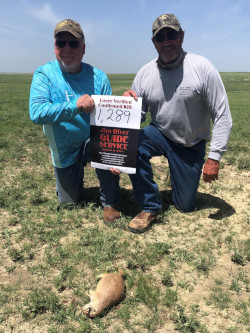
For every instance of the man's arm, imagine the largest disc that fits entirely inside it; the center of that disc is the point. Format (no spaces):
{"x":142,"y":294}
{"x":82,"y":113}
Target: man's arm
{"x":44,"y":111}
{"x":217,"y":103}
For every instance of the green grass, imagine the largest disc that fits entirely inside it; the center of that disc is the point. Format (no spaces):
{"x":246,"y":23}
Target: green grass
{"x":120,"y":82}
{"x":189,"y":273}
{"x":237,"y":86}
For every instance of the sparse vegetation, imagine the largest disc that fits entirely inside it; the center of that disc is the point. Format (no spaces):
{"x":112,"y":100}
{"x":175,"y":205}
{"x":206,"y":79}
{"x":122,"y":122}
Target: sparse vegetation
{"x":189,"y":273}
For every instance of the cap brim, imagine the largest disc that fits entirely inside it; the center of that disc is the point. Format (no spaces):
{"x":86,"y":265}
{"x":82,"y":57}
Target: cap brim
{"x":75,"y":34}
{"x":155,"y":32}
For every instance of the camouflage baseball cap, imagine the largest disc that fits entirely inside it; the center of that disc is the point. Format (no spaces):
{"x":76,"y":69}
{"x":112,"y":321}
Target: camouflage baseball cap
{"x":166,"y":21}
{"x":70,"y":26}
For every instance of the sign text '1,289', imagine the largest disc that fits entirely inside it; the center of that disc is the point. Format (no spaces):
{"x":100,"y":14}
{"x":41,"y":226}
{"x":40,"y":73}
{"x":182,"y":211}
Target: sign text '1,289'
{"x":114,"y":115}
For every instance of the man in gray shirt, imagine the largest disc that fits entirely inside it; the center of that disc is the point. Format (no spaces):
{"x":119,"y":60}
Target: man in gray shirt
{"x":183,"y":92}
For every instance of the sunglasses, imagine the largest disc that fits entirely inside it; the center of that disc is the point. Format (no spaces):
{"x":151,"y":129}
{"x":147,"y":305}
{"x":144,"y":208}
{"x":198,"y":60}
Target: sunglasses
{"x":72,"y":43}
{"x":169,"y":35}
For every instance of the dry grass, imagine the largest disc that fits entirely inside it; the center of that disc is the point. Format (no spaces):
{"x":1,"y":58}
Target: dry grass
{"x":189,"y":273}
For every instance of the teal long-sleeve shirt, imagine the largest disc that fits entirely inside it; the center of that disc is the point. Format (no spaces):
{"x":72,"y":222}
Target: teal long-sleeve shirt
{"x":53,"y":97}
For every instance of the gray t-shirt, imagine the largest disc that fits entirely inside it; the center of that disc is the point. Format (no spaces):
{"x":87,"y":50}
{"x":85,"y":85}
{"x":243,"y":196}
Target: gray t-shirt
{"x":182,"y":102}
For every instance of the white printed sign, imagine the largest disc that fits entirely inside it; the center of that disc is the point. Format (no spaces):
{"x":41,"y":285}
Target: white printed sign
{"x":114,"y":132}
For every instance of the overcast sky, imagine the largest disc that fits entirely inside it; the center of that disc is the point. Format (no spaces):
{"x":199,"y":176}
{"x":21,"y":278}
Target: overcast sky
{"x":118,"y":33}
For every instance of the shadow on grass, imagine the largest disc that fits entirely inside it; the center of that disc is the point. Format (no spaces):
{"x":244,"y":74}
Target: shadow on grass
{"x":203,"y":201}
{"x":130,"y":207}
{"x":210,"y":201}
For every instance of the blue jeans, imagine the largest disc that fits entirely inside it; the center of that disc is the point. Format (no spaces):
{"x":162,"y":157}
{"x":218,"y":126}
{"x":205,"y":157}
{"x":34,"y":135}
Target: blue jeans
{"x":69,"y":181}
{"x":109,"y":188}
{"x":185,"y":165}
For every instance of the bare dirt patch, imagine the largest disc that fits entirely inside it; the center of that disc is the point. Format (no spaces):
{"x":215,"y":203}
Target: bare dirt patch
{"x":218,"y":228}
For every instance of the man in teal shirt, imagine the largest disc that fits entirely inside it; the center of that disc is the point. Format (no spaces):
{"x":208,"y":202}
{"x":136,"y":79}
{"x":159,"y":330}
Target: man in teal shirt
{"x":60,"y":100}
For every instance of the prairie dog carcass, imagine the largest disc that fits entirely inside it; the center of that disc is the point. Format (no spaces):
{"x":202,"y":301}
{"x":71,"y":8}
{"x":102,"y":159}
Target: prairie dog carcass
{"x":109,"y":291}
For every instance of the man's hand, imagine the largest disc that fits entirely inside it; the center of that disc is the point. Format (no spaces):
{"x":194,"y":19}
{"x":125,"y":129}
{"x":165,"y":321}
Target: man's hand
{"x":130,"y":93}
{"x":115,"y":171}
{"x":211,"y":170}
{"x":85,"y":103}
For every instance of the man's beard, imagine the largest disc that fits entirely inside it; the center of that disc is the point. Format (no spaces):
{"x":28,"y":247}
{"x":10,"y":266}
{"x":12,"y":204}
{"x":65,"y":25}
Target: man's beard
{"x":69,"y":68}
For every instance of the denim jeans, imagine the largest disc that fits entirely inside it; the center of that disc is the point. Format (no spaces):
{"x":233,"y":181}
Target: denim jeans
{"x":69,"y":181}
{"x":109,"y":188}
{"x":185,"y":165}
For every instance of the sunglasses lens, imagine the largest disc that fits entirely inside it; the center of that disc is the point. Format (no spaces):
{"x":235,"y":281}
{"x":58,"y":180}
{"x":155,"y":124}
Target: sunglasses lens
{"x":72,"y":43}
{"x":61,"y":43}
{"x":159,"y":38}
{"x":171,"y":35}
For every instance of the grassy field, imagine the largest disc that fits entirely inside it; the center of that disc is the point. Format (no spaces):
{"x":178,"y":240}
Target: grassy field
{"x":189,"y":273}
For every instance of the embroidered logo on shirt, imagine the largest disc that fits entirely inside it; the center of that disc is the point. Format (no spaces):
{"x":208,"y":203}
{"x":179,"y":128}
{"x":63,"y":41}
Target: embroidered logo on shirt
{"x":67,"y":95}
{"x":184,"y":91}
